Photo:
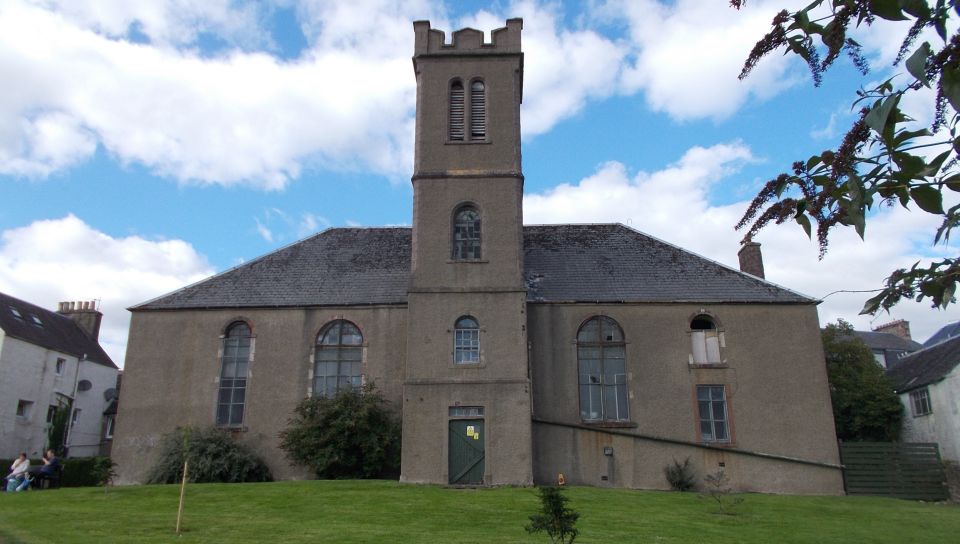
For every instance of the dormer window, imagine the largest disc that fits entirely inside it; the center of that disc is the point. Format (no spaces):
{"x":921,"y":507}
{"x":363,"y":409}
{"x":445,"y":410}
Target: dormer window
{"x":457,"y":125}
{"x":478,"y":111}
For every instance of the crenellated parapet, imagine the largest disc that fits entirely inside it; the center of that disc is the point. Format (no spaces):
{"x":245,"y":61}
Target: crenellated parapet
{"x":467,"y":40}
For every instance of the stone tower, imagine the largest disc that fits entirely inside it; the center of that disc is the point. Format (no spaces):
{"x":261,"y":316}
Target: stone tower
{"x":466,"y":400}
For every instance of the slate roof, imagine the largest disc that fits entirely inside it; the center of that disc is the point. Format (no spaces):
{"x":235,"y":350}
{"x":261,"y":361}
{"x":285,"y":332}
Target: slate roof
{"x":55,"y":332}
{"x":926,"y":366}
{"x":947,"y":331}
{"x":887,"y":341}
{"x":562,"y":263}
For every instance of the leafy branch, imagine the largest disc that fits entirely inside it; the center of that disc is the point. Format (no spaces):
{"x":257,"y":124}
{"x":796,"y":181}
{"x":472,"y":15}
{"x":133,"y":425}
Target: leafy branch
{"x":878,"y":163}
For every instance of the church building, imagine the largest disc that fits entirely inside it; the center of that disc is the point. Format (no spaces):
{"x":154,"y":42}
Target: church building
{"x":513,"y":353}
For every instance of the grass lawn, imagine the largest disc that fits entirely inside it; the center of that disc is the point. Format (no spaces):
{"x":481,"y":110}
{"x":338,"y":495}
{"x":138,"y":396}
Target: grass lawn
{"x":379,"y":511}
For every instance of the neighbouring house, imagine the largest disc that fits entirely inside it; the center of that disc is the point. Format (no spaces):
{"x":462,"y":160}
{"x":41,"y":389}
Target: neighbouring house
{"x":48,"y":361}
{"x":889,"y":342}
{"x":946,"y":332}
{"x":513,"y":353}
{"x":928,"y":382}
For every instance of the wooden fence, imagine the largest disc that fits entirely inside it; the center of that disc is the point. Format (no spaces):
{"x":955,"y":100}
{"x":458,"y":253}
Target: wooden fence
{"x":900,"y":470}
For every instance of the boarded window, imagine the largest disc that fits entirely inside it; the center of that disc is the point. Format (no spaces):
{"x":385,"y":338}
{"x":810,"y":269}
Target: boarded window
{"x":705,"y":340}
{"x":456,"y":111}
{"x":233,"y":375}
{"x":339,"y":354}
{"x":478,"y":111}
{"x":466,"y":341}
{"x":466,"y":234}
{"x":601,"y":363}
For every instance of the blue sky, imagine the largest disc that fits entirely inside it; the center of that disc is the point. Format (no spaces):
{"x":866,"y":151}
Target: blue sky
{"x":146,"y":144}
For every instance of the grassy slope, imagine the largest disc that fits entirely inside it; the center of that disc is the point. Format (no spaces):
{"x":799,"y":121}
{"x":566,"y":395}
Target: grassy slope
{"x":351,"y":511}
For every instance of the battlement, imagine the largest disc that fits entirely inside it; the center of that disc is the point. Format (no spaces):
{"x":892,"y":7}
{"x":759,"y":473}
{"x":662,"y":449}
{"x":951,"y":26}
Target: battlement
{"x":467,"y":40}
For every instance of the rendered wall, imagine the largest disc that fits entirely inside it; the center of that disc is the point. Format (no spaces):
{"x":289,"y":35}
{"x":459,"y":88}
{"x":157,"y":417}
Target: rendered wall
{"x":173,"y":364}
{"x":942,"y":424}
{"x":778,"y":399}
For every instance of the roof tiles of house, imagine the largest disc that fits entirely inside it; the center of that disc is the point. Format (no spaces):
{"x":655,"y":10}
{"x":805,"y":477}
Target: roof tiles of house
{"x":53,"y":331}
{"x":887,"y":341}
{"x":926,"y":366}
{"x":562,"y":263}
{"x":945,"y":332}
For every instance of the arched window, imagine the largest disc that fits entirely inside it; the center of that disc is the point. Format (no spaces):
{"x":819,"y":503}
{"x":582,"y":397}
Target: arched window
{"x":456,"y":111}
{"x":704,"y":340}
{"x":602,"y":368}
{"x":339,"y":353}
{"x":478,"y":111}
{"x":466,"y":234}
{"x":466,"y":341}
{"x":233,"y":374}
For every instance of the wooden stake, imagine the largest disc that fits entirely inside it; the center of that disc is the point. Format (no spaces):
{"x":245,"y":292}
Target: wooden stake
{"x":183,"y":489}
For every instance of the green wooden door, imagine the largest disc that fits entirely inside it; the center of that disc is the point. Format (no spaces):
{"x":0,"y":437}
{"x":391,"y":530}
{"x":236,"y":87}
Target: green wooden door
{"x":466,"y":451}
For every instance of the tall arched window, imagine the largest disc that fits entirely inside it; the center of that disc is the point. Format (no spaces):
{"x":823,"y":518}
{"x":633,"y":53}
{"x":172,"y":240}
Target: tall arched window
{"x":466,"y":234}
{"x":456,"y":111}
{"x":602,"y":368}
{"x":466,"y":340}
{"x":478,"y":111}
{"x":338,"y":355}
{"x":233,"y":374}
{"x":704,"y":340}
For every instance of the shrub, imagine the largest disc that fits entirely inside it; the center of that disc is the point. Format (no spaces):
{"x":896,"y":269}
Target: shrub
{"x":555,"y":518}
{"x":80,"y":471}
{"x":679,"y":475}
{"x":718,"y":489}
{"x":350,"y":435}
{"x":214,"y":457}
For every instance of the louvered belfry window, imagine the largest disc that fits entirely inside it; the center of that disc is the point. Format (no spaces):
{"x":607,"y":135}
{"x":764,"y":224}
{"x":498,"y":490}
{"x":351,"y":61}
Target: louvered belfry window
{"x":456,"y":111}
{"x":478,"y":111}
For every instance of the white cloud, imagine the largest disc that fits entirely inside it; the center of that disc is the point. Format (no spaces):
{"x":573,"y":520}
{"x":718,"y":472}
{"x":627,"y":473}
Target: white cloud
{"x":672,"y":204}
{"x":56,"y":260}
{"x":263,"y":231}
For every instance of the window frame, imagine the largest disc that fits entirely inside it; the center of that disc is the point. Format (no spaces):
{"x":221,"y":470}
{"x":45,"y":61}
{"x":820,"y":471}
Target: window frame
{"x":466,"y":340}
{"x":595,"y":388}
{"x":455,"y":134}
{"x":230,"y":342}
{"x":920,"y":403}
{"x":712,"y":420}
{"x":355,"y":379}
{"x":461,"y":248}
{"x":60,"y":366}
{"x":24,"y":409}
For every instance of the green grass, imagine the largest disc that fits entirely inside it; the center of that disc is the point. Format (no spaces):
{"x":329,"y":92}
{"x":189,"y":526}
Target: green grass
{"x":378,"y":511}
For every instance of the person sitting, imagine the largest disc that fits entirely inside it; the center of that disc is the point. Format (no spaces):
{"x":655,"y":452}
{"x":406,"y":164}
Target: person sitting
{"x":50,"y":471}
{"x":19,"y":474}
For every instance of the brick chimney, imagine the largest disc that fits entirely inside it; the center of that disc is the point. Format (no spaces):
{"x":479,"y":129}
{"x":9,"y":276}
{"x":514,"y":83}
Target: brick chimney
{"x":899,"y":327}
{"x":751,"y":260}
{"x":85,"y":314}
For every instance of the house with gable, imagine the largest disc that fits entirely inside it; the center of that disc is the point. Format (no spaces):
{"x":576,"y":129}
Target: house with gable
{"x":48,"y":361}
{"x":513,"y":353}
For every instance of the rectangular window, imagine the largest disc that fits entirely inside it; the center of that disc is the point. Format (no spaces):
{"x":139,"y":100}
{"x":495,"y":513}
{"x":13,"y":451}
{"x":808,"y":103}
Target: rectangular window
{"x":712,"y":408}
{"x":61,"y":365}
{"x":467,"y":348}
{"x":51,"y":413}
{"x":23,"y":408}
{"x":920,"y":401}
{"x":466,"y":411}
{"x":108,"y":432}
{"x":76,"y":417}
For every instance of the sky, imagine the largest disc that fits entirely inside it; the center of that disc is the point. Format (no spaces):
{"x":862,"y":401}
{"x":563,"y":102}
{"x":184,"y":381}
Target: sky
{"x":148,"y":144}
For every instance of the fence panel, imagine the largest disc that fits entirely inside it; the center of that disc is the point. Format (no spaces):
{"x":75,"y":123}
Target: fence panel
{"x":890,"y":469}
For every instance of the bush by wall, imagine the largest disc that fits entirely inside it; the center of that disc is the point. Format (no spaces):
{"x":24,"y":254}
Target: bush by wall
{"x":214,"y":457}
